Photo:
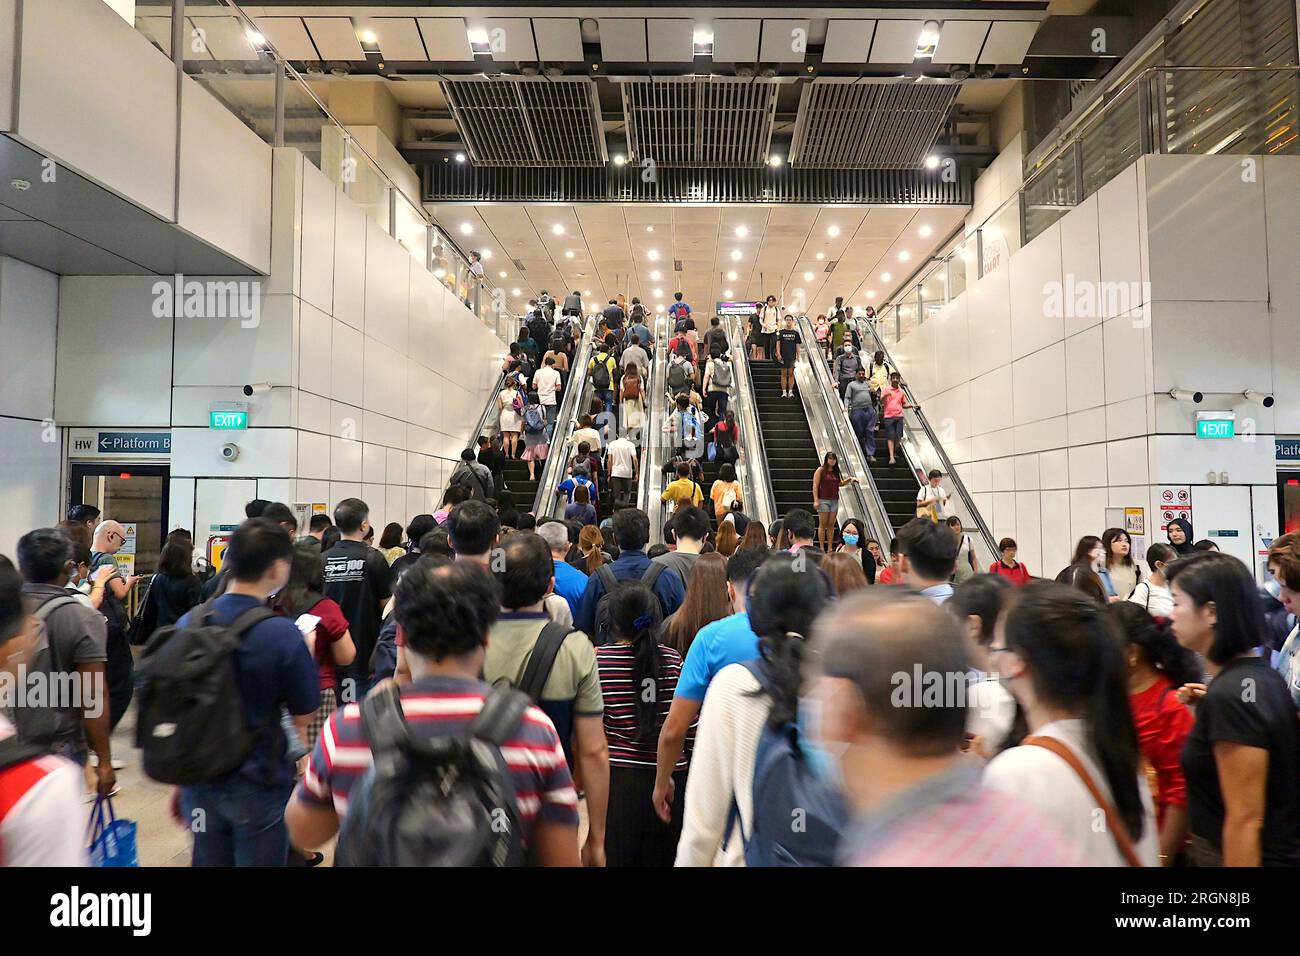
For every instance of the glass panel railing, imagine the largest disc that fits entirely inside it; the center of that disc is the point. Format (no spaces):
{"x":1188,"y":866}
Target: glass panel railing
{"x":831,"y":431}
{"x":924,"y":452}
{"x":1050,"y":195}
{"x":1111,"y":143}
{"x":1233,"y":112}
{"x":655,"y":449}
{"x":577,"y":396}
{"x":751,"y":467}
{"x":229,"y":59}
{"x":1000,"y":237}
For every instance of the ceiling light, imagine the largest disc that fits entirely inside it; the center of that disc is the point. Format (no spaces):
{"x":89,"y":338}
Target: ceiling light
{"x":821,"y":256}
{"x":659,"y":293}
{"x":884,"y":277}
{"x":653,"y":254}
{"x":619,"y":159}
{"x":485,"y":254}
{"x":928,"y":39}
{"x":557,"y":229}
{"x":257,"y":39}
{"x":871,"y":293}
{"x":932,"y":162}
{"x":925,"y":231}
{"x":656,"y":275}
{"x":466,"y":228}
{"x":477,"y":35}
{"x":460,"y":157}
{"x":833,"y":230}
{"x":568,"y":254}
{"x":741,"y":232}
{"x":703,"y":36}
{"x":503,"y":275}
{"x":731,"y":276}
{"x":904,"y":256}
{"x":775,"y":161}
{"x":586,"y":292}
{"x":369,"y":37}
{"x":727,"y":293}
{"x":514,"y":292}
{"x":649,"y":228}
{"x":807,"y":277}
{"x":735,"y":255}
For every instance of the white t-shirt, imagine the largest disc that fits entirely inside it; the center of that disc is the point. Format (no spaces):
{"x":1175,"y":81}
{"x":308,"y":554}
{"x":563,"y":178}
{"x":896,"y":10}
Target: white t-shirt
{"x":771,"y":318}
{"x":928,"y":494}
{"x":1156,"y":598}
{"x":589,"y":435}
{"x":619,"y":457}
{"x":45,"y":823}
{"x":1042,"y":778}
{"x":546,"y":381}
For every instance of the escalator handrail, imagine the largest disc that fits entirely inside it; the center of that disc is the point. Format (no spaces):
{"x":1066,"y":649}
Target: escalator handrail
{"x":958,"y":485}
{"x":489,"y":421}
{"x":650,"y":486}
{"x":557,"y":459}
{"x":752,"y":466}
{"x":844,"y":441}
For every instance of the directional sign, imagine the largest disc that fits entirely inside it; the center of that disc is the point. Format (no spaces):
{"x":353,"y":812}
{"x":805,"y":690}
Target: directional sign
{"x":148,"y":443}
{"x":228,"y":419}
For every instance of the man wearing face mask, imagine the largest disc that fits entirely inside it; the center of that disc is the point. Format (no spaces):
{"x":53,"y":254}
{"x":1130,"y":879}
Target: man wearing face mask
{"x":916,"y":798}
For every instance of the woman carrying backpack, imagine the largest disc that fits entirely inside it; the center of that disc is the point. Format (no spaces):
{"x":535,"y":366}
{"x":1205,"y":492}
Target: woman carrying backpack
{"x":632,"y":398}
{"x":740,"y":709}
{"x":535,"y":446}
{"x":638,"y":676}
{"x":726,"y":439}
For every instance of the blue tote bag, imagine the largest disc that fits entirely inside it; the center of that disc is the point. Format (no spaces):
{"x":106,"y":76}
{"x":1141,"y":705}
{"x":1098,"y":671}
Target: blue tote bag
{"x":112,"y":841}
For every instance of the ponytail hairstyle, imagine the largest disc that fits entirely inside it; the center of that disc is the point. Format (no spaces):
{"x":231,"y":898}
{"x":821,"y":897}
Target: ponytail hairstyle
{"x":634,"y":616}
{"x":785,"y":596}
{"x":1156,"y":642}
{"x":1076,"y":664}
{"x":591,"y":544}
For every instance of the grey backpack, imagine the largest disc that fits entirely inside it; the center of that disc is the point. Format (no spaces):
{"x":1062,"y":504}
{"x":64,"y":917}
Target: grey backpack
{"x":721,"y":373}
{"x":44,"y":725}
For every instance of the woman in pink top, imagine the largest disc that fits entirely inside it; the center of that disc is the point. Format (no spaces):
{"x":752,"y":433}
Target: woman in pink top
{"x":894,"y":400}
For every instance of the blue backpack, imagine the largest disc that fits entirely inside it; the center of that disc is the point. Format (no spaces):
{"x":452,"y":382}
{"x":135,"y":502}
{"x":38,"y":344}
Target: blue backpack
{"x":798,"y":817}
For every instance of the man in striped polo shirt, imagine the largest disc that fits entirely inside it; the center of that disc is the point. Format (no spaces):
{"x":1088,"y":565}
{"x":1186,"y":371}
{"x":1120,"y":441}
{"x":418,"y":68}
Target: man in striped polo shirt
{"x":917,"y":799}
{"x":443,"y":619}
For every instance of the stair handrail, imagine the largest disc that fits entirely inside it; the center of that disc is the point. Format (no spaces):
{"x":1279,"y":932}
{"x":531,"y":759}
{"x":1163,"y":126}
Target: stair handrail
{"x":650,"y":486}
{"x":544,"y":503}
{"x":752,"y":465}
{"x":949,"y":471}
{"x":844,"y":441}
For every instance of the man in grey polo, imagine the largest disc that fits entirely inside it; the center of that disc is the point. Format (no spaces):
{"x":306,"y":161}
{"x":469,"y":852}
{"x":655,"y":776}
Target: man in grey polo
{"x":862,"y":412}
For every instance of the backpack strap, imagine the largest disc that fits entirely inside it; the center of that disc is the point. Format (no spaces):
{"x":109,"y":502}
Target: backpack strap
{"x":651,"y":575}
{"x":1117,"y":829}
{"x":385,"y":727}
{"x":606,"y":577}
{"x":250,"y":619}
{"x":52,"y":605}
{"x":503,"y":708}
{"x":542,"y":659}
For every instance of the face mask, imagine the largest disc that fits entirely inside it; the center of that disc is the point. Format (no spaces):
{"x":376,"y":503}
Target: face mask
{"x":823,"y":755}
{"x":850,"y":539}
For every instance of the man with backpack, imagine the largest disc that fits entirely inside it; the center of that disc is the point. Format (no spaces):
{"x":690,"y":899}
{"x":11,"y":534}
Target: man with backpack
{"x":215,"y":729}
{"x":71,"y":654}
{"x":110,"y":537}
{"x":601,"y":369}
{"x":686,"y":429}
{"x":631,"y":530}
{"x":717,"y":383}
{"x":680,"y":373}
{"x":555,"y":666}
{"x":639,"y":327}
{"x":474,"y":475}
{"x":520,"y":779}
{"x":679,"y":312}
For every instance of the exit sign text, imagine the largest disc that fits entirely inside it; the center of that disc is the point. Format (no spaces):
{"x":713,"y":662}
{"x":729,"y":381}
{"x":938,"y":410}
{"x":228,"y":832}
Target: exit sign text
{"x":228,"y":420}
{"x":1215,"y":428}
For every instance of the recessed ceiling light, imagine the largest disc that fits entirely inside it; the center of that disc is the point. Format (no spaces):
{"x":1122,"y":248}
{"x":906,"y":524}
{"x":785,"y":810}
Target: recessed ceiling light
{"x":477,"y":35}
{"x":735,"y":255}
{"x":514,"y":291}
{"x":741,"y":232}
{"x":871,"y":293}
{"x":807,"y":277}
{"x":653,"y":254}
{"x":568,"y":254}
{"x":557,"y":229}
{"x":659,"y":293}
{"x":460,"y":157}
{"x":485,"y":254}
{"x":821,"y":256}
{"x":775,"y":161}
{"x":466,"y":228}
{"x":586,"y":292}
{"x":731,"y":276}
{"x":727,"y":293}
{"x":656,"y":275}
{"x":904,"y":256}
{"x":619,"y":159}
{"x":925,"y":231}
{"x":932,"y":162}
{"x":703,"y":37}
{"x":369,"y":37}
{"x":884,"y":277}
{"x":649,"y":228}
{"x":832,"y":230}
{"x":503,"y":275}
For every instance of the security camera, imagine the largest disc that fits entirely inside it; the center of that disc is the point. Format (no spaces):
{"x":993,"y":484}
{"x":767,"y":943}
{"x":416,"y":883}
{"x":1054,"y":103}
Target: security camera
{"x":1251,"y":395}
{"x":261,"y":388}
{"x":229,"y":451}
{"x":1185,"y":395}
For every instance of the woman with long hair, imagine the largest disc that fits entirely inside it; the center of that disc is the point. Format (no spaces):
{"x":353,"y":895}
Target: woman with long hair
{"x":1242,"y":759}
{"x":784,"y":600}
{"x":826,"y":498}
{"x":994,"y":720}
{"x":536,"y":444}
{"x":726,"y":436}
{"x":727,"y":541}
{"x":390,"y":542}
{"x":1157,"y":667}
{"x":706,"y":601}
{"x":845,"y":572}
{"x":755,"y":536}
{"x":1123,"y":571}
{"x":853,"y":542}
{"x":591,"y":553}
{"x":632,"y":398}
{"x":332,"y":645}
{"x":638,"y":677}
{"x":173,"y":590}
{"x":877,"y":558}
{"x":1082,"y":574}
{"x":1058,"y":653}
{"x":725,"y":491}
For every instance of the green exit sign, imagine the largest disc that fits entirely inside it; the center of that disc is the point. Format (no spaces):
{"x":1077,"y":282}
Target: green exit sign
{"x":1216,"y":428}
{"x":227,"y":420}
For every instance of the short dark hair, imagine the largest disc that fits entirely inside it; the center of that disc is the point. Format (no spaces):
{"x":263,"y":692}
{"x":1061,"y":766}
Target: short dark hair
{"x":13,"y":609}
{"x":436,"y":541}
{"x":800,"y":524}
{"x":1206,"y":576}
{"x":1007,"y":543}
{"x":742,"y":565}
{"x":256,"y":545}
{"x":392,"y":536}
{"x":1158,"y":551}
{"x":631,"y":527}
{"x":350,"y":514}
{"x":930,"y":549}
{"x":467,"y":455}
{"x":527,"y":522}
{"x":319,"y":522}
{"x":473,"y":526}
{"x":83,"y":513}
{"x":448,"y":611}
{"x":691,"y":522}
{"x":280,"y":513}
{"x":952,"y":521}
{"x":981,"y":596}
{"x":726,"y":472}
{"x":683,"y":469}
{"x":43,"y":554}
{"x":420,"y":526}
{"x":255,"y":508}
{"x":528,"y":570}
{"x":677,"y":296}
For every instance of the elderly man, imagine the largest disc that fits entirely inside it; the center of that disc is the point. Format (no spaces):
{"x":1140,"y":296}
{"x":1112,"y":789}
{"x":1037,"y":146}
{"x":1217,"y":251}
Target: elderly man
{"x":119,"y":669}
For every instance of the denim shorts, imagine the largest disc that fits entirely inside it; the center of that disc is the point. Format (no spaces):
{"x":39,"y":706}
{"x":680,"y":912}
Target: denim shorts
{"x":893,"y":428}
{"x":828,"y":506}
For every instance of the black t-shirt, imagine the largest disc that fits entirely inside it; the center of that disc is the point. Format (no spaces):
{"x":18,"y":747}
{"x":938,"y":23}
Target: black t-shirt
{"x":789,"y":343}
{"x":1247,"y":703}
{"x":357,"y":580}
{"x":755,"y":324}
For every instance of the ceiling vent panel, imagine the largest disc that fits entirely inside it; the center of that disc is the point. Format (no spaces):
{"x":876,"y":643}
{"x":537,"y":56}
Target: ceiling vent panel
{"x":693,"y":121}
{"x":528,"y":121}
{"x":622,"y":40}
{"x":960,"y":41}
{"x":559,"y":39}
{"x":869,"y":125}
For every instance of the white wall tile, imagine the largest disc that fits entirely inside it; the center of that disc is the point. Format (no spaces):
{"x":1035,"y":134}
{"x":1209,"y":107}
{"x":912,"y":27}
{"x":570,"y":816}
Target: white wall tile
{"x":234,"y":351}
{"x":29,"y":314}
{"x":1054,"y":468}
{"x":1240,"y":354}
{"x":316,"y":351}
{"x":374,"y":461}
{"x":1039,"y":385}
{"x":388,"y":291}
{"x":313,"y":456}
{"x":1003,"y":476}
{"x":1026,"y":468}
{"x":989,"y":311}
{"x":1126,"y":462}
{"x":385,"y":380}
{"x":319,"y":204}
{"x":1129,"y":418}
{"x":1057,"y":544}
{"x":1125,"y":349}
{"x":29,"y":475}
{"x":1029,"y":528}
{"x":1088,"y":466}
{"x":1117,"y":226}
{"x":1080,"y":260}
{"x":1084,"y":370}
{"x":347,"y":383}
{"x":345,"y":460}
{"x":1087,"y":514}
{"x":349,"y":262}
{"x":1035,"y":272}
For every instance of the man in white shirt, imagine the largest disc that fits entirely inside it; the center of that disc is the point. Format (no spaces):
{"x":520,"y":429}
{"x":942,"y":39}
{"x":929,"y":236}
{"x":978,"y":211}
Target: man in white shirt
{"x":932,"y":495}
{"x":770,"y":318}
{"x":476,"y":265}
{"x":546,"y":380}
{"x":621,"y":460}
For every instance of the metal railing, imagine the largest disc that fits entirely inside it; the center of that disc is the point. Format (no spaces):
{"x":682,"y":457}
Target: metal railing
{"x":751,"y":467}
{"x":653,"y":447}
{"x":577,"y":395}
{"x":924,"y":452}
{"x":221,"y":47}
{"x":832,"y":432}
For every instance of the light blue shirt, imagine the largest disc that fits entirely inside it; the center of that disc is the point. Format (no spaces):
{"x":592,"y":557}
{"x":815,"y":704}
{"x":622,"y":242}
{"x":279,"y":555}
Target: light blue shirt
{"x":938,"y":593}
{"x":728,"y":641}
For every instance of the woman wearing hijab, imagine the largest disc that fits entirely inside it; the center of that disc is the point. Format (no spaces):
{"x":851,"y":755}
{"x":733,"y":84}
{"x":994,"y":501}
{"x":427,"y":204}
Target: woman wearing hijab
{"x":1180,"y":535}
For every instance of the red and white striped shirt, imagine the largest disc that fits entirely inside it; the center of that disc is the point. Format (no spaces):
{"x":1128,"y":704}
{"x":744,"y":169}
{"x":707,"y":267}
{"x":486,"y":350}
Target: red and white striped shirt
{"x":42,"y":819}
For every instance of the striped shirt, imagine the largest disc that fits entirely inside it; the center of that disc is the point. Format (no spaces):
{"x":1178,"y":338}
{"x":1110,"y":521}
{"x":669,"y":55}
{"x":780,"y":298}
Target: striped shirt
{"x":620,"y":690}
{"x":444,"y":706}
{"x":42,"y":820}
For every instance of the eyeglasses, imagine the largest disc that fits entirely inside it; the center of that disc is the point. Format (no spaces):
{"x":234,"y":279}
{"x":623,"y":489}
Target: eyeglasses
{"x":997,"y":650}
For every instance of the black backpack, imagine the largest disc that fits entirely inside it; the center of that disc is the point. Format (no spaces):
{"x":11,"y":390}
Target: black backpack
{"x":443,"y":801}
{"x":604,"y":626}
{"x":677,"y":377}
{"x":191,"y":725}
{"x":600,"y":374}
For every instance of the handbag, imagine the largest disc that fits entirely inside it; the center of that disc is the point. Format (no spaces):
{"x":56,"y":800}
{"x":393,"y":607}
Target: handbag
{"x":713,"y":451}
{"x":112,"y":841}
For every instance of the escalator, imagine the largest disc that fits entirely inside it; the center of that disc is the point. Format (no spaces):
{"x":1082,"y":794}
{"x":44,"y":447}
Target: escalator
{"x":787,"y":439}
{"x":897,"y":484}
{"x":546,"y":503}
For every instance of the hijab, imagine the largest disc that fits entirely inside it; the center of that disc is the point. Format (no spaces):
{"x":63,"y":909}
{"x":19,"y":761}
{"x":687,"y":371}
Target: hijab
{"x":1186,"y":546}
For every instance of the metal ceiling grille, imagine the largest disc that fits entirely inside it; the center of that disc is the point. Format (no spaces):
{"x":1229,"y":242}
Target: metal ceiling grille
{"x":869,"y":125}
{"x":699,"y":120}
{"x":528,"y":121}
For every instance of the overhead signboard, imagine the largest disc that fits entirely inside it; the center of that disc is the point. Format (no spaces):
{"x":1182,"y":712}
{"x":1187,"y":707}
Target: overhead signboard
{"x":94,"y":443}
{"x":736,"y":308}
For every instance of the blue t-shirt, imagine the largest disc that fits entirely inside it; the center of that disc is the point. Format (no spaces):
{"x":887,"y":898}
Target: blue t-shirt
{"x":569,"y":584}
{"x":569,"y":485}
{"x":275,"y":671}
{"x":728,"y":641}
